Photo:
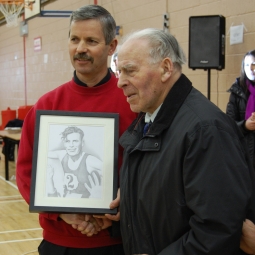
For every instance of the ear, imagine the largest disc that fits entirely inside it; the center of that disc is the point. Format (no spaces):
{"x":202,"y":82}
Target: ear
{"x":113,"y":46}
{"x":167,"y":67}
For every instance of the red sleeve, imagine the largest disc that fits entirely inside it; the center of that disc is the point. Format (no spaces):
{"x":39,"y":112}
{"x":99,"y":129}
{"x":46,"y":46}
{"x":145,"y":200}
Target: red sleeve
{"x":24,"y":162}
{"x":25,"y":154}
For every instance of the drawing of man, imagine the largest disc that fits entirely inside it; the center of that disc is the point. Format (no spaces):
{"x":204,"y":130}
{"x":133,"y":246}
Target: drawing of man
{"x":82,"y":172}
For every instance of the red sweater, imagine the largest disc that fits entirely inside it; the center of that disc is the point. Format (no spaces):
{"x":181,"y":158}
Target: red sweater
{"x":70,"y":96}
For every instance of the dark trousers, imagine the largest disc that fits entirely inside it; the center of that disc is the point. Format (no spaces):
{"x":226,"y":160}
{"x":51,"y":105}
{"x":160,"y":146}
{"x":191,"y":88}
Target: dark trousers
{"x":47,"y":248}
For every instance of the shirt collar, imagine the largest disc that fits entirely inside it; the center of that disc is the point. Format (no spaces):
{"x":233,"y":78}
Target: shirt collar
{"x":104,"y":80}
{"x":150,"y":117}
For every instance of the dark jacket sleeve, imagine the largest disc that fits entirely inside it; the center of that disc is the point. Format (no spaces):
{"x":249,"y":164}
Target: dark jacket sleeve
{"x":217,"y":191}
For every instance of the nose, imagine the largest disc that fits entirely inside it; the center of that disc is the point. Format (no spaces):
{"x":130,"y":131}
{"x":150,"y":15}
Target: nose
{"x":81,"y":47}
{"x":121,"y":81}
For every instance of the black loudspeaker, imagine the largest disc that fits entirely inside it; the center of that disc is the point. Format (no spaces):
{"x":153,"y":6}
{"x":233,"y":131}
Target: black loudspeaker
{"x":207,"y":42}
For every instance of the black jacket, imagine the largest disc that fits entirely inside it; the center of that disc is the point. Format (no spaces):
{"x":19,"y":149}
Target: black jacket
{"x":236,"y":108}
{"x":185,"y":186}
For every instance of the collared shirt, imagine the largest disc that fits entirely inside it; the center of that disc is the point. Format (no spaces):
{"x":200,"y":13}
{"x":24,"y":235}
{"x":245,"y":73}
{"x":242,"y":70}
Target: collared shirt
{"x":150,"y":117}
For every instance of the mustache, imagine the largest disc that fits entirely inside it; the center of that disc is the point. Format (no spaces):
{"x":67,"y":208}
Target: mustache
{"x":83,"y":56}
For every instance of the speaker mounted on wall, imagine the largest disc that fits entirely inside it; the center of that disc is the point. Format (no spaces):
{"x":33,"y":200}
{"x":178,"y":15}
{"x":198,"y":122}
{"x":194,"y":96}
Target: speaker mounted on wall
{"x":207,"y":42}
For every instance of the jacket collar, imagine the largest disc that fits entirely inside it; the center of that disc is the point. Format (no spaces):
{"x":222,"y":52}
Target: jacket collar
{"x":168,"y":110}
{"x":237,"y":89}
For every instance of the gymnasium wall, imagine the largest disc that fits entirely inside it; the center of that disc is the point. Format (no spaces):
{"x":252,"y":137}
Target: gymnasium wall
{"x":26,"y":74}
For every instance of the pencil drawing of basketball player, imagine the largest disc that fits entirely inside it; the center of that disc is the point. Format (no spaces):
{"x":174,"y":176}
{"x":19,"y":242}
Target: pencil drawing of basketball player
{"x":82,"y":172}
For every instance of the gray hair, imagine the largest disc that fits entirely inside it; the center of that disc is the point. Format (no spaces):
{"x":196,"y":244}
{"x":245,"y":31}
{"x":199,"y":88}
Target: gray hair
{"x":97,"y":12}
{"x":162,"y":45}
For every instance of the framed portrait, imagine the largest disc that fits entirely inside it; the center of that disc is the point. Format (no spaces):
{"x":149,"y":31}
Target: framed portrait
{"x":75,"y":162}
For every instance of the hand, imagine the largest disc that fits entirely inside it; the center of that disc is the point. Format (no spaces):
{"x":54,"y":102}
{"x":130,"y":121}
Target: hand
{"x":247,"y":243}
{"x":108,"y":218}
{"x":114,"y":204}
{"x":97,"y":225}
{"x":82,"y":222}
{"x":106,"y":223}
{"x":250,"y":122}
{"x":72,"y":218}
{"x":96,"y":189}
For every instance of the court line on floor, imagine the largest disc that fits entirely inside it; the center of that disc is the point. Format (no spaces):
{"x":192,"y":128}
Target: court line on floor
{"x":10,"y":183}
{"x":21,"y":240}
{"x":11,"y":196}
{"x":12,"y":201}
{"x":29,"y":252}
{"x":20,"y":230}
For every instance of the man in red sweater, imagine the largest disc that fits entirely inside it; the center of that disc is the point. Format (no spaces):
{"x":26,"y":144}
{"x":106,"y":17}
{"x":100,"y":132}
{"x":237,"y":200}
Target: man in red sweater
{"x":92,"y":89}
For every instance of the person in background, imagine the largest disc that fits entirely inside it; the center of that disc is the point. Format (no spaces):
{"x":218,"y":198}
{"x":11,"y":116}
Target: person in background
{"x":114,"y":63}
{"x":92,"y":89}
{"x":241,"y":105}
{"x":186,"y":179}
{"x":241,"y":108}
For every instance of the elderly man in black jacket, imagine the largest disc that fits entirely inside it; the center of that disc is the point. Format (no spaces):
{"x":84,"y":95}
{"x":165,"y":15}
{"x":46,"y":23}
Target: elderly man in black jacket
{"x":186,"y":181}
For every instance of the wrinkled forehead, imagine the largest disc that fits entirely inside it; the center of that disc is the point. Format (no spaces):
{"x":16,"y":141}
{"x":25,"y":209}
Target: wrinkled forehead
{"x":126,"y":46}
{"x":133,"y":49}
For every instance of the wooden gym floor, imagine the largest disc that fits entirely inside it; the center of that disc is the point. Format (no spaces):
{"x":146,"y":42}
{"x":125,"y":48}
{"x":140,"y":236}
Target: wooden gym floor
{"x":20,"y":232}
